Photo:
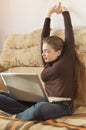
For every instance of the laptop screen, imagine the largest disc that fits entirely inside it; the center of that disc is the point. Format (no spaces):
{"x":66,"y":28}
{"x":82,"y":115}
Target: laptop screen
{"x":24,"y":86}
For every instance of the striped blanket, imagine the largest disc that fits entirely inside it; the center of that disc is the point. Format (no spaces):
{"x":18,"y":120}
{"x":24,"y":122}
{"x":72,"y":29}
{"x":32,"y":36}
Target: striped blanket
{"x":75,"y":122}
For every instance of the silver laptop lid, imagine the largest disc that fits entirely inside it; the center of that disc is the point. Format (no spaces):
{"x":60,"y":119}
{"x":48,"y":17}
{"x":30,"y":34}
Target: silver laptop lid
{"x":25,"y":86}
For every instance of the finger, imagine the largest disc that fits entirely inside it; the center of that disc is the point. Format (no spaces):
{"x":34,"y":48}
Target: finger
{"x":59,"y":5}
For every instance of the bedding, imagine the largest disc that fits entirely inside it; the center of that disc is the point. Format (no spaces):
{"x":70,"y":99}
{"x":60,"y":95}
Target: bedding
{"x":75,"y":122}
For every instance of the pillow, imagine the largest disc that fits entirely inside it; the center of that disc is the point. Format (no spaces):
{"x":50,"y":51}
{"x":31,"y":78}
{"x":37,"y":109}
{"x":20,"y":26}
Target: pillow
{"x":21,"y":57}
{"x":22,"y":41}
{"x":80,"y":37}
{"x":22,"y":50}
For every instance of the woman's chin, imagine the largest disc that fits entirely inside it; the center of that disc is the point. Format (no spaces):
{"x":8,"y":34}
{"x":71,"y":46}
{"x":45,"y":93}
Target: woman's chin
{"x":46,"y":61}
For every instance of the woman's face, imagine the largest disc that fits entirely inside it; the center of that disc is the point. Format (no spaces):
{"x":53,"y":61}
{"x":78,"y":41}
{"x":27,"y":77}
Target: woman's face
{"x":49,"y":54}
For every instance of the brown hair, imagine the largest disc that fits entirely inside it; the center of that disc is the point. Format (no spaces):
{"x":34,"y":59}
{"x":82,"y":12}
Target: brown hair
{"x":55,"y":42}
{"x":80,"y":81}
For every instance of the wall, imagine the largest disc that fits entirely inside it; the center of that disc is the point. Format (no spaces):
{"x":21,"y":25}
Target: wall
{"x":24,"y":16}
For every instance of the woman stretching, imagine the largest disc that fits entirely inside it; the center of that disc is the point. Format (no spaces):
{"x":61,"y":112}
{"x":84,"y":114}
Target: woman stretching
{"x":59,"y":59}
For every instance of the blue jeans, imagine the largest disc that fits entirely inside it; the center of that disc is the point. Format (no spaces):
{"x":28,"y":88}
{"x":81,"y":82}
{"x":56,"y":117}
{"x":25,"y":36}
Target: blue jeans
{"x":11,"y":105}
{"x":34,"y":111}
{"x":46,"y":110}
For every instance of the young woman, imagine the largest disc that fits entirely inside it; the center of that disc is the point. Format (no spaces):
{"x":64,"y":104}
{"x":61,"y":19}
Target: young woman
{"x":59,"y":59}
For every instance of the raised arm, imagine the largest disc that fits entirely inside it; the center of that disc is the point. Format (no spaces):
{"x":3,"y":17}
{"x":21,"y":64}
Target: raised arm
{"x":69,"y":34}
{"x":46,"y":28}
{"x":45,"y":33}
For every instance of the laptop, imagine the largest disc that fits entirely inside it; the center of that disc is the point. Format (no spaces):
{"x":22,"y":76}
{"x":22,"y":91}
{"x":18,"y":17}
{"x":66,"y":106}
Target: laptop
{"x":27,"y":87}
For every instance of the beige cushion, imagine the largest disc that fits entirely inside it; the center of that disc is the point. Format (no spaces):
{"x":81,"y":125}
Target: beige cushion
{"x":21,"y":57}
{"x":21,"y":50}
{"x":22,"y":41}
{"x":79,"y":35}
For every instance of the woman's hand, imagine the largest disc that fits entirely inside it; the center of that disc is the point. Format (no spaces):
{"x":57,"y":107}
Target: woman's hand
{"x":55,"y":9}
{"x":64,"y":9}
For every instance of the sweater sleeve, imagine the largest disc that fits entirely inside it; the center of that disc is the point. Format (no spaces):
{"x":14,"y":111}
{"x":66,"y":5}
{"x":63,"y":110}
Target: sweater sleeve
{"x":69,"y":34}
{"x":45,"y":33}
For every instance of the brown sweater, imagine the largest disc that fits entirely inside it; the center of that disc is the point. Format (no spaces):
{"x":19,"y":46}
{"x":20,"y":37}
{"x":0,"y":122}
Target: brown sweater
{"x":58,"y":76}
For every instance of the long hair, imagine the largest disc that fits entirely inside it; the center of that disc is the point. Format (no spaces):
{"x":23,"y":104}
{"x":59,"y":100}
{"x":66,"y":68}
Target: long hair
{"x":80,"y":82}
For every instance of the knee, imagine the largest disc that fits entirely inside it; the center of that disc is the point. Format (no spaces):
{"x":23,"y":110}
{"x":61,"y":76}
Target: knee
{"x":41,"y":109}
{"x":41,"y":105}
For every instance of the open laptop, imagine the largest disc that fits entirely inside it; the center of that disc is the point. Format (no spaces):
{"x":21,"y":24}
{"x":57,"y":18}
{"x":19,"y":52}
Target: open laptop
{"x":24,"y":86}
{"x":27,"y":87}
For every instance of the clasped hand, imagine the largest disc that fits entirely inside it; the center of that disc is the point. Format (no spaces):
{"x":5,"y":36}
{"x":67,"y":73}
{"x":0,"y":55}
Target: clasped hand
{"x":56,"y":9}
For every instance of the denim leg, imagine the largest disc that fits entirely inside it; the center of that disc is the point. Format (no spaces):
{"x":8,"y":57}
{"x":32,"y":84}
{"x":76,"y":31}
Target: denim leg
{"x":45,"y":111}
{"x":9,"y":104}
